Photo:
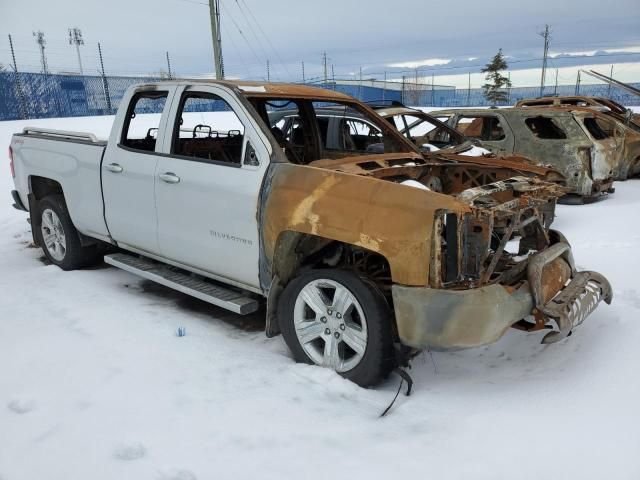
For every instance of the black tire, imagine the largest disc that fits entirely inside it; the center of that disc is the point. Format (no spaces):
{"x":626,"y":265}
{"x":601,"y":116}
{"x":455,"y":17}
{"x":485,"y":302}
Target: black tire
{"x":75,"y":255}
{"x":378,"y":359}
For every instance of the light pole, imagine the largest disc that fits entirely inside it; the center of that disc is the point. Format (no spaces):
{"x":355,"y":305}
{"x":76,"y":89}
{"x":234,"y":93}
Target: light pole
{"x":75,"y":38}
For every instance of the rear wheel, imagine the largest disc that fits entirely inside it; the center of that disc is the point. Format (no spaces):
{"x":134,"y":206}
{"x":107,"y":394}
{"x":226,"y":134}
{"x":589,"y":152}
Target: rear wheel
{"x":58,"y":237}
{"x":338,"y":320}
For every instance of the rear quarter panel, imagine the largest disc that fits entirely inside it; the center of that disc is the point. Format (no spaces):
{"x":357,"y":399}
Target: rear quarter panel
{"x":75,"y":166}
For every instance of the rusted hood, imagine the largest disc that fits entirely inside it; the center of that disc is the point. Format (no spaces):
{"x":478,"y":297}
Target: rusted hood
{"x":365,"y":163}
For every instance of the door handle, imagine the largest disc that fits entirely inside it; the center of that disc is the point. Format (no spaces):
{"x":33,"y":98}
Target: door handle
{"x":113,"y":167}
{"x":169,"y":177}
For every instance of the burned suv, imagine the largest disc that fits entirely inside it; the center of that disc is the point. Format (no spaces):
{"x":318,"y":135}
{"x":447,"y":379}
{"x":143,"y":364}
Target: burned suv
{"x":567,"y":140}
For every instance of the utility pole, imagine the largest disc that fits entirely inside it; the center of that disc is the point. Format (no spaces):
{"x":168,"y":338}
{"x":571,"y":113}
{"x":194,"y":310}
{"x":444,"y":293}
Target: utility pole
{"x":404,"y":79}
{"x":324,"y":61}
{"x":23,"y":110}
{"x":546,"y":35}
{"x":333,"y":76}
{"x":469,"y":91}
{"x":214,"y":13}
{"x":360,"y":86}
{"x":169,"y":67}
{"x":304,"y":80}
{"x":555,"y":88}
{"x":75,"y":38}
{"x":509,"y":89}
{"x":105,"y":84}
{"x":578,"y":84}
{"x":268,"y":72}
{"x":41,"y":43}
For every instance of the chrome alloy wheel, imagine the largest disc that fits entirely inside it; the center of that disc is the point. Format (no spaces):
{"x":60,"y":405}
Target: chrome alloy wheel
{"x":330,"y":325}
{"x":53,"y":235}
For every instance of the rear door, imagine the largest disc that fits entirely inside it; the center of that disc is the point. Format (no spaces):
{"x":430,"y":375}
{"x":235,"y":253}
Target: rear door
{"x":129,"y":170}
{"x":208,"y":184}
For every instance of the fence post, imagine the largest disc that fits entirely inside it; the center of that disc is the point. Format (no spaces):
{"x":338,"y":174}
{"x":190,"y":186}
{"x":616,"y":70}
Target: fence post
{"x":21,"y":102}
{"x":105,"y":84}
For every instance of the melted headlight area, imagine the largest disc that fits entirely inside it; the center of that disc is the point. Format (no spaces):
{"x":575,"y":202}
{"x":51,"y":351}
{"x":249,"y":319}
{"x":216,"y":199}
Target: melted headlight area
{"x":509,"y":221}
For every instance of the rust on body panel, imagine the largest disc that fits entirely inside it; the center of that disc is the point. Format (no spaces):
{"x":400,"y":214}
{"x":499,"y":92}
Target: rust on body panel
{"x":383,"y":217}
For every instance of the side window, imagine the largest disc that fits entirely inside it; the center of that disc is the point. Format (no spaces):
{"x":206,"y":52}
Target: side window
{"x":358,"y":135}
{"x":143,"y":119}
{"x":599,"y":128}
{"x":208,"y":129}
{"x":546,"y":128}
{"x":487,"y":128}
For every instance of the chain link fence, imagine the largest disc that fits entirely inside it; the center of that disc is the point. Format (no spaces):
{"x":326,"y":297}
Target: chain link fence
{"x":36,"y":95}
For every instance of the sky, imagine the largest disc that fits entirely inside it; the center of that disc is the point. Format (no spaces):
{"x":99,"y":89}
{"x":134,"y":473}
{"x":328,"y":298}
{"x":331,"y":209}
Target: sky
{"x":444,"y":39}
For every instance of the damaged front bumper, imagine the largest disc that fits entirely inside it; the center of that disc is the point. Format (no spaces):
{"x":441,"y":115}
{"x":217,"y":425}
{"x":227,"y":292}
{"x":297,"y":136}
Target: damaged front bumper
{"x":454,"y":319}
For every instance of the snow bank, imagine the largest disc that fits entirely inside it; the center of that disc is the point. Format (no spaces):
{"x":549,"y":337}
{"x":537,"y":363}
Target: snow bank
{"x":96,"y":384}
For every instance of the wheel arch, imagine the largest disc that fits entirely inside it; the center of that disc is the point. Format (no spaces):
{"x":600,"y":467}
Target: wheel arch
{"x":297,"y":250}
{"x":42,"y":187}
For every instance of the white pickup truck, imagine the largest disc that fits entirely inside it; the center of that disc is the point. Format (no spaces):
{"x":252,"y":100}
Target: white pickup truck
{"x":360,"y":262}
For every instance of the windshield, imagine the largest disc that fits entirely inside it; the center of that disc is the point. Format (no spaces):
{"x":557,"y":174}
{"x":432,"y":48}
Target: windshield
{"x":309,"y":130}
{"x":427,"y":133}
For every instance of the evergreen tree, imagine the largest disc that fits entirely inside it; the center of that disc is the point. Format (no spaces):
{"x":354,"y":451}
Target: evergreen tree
{"x":494,"y":90}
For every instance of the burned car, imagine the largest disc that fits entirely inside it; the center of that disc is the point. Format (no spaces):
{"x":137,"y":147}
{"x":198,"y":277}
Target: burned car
{"x":610,"y":121}
{"x":427,"y":132}
{"x":604,"y":103}
{"x":548,"y":136}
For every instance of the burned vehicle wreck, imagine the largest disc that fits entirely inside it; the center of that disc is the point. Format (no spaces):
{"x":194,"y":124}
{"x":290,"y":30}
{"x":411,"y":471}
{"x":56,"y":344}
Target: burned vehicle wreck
{"x":556,"y":137}
{"x":605,"y":120}
{"x":361,"y":258}
{"x":456,"y":266}
{"x":600,"y":103}
{"x":343,"y":128}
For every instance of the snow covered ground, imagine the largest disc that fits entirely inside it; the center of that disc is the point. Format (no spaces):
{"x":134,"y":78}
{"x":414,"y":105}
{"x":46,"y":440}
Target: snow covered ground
{"x":95,"y":384}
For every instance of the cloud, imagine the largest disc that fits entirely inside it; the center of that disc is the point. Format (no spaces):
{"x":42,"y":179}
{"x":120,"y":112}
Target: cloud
{"x":591,"y":53}
{"x":427,"y":62}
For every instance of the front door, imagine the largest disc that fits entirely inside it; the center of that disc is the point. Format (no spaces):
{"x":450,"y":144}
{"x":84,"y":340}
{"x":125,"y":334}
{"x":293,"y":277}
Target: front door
{"x":207,"y":187}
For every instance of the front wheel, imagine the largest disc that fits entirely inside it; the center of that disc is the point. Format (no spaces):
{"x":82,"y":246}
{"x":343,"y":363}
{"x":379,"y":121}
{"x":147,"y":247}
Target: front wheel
{"x":336,"y":319}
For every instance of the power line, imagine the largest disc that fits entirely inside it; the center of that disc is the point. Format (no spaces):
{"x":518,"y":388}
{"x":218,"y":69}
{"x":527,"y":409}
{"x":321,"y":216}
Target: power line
{"x":228,"y":14}
{"x":253,"y":32}
{"x":237,"y":51}
{"x":284,"y":65}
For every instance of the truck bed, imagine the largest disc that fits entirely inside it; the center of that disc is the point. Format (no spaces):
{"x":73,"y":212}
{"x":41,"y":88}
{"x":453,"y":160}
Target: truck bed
{"x":73,"y":159}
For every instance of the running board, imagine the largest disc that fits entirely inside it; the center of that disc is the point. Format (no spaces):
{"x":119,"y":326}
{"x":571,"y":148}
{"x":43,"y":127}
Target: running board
{"x":184,"y":282}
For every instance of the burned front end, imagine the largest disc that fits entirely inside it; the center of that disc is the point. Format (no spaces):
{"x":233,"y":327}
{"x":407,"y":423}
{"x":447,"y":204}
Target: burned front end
{"x":497,"y":266}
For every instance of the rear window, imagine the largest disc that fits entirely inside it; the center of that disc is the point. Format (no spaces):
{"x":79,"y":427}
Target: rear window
{"x":546,"y":128}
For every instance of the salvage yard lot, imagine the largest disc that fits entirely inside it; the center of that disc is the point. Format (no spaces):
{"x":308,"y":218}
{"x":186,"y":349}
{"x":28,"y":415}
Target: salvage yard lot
{"x":96,"y":384}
